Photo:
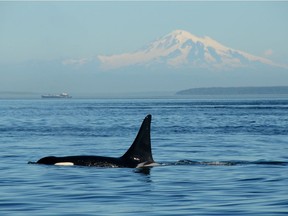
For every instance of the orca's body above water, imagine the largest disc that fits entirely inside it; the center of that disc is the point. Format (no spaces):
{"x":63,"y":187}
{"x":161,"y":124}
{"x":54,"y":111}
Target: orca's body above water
{"x":138,"y":155}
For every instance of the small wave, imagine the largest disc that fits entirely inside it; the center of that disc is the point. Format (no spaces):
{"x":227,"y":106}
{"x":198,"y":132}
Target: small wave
{"x":31,"y":162}
{"x":225,"y":163}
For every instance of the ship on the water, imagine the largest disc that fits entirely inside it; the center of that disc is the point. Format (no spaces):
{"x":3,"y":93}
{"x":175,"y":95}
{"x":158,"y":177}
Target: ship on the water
{"x":56,"y":96}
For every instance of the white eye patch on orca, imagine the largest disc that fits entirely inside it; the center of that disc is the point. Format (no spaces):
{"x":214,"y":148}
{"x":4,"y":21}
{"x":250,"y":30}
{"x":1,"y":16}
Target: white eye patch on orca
{"x":64,"y":164}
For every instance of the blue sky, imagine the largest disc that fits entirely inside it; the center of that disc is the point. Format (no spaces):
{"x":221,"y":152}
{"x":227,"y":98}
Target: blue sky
{"x":59,"y":30}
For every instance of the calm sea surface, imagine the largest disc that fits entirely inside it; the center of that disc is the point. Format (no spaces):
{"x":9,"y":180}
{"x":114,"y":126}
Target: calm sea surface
{"x":218,"y":157}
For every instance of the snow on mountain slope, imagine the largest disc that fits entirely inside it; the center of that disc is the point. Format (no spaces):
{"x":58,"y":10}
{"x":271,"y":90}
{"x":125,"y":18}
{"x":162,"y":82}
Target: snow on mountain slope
{"x":183,"y":49}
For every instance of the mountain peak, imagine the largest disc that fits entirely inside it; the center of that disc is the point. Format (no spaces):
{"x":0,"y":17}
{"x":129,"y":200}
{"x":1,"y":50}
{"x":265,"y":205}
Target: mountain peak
{"x":180,"y":37}
{"x":182,"y":34}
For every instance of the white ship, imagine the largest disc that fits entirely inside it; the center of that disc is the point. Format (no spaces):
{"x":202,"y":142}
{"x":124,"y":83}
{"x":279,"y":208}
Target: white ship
{"x":57,"y":96}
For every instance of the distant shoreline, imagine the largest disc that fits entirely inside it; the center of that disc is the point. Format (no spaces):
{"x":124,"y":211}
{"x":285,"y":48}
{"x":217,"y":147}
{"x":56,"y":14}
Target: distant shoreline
{"x":271,"y":90}
{"x":198,"y":93}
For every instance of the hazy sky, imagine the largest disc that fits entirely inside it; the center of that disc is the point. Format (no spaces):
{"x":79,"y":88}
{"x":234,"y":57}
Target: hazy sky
{"x":31,"y":30}
{"x":59,"y":30}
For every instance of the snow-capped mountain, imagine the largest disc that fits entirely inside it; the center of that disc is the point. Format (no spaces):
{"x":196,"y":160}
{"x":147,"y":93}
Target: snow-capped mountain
{"x":176,"y":61}
{"x":180,"y":49}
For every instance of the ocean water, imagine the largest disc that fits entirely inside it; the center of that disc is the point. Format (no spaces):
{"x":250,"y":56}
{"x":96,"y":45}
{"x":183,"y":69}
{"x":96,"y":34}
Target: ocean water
{"x":217,"y":157}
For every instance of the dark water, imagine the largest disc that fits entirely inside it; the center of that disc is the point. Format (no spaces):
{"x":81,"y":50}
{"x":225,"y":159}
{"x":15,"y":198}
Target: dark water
{"x":218,"y":157}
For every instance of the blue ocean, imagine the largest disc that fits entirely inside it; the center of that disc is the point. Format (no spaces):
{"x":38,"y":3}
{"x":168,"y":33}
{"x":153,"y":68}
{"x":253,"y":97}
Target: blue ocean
{"x":216,"y":156}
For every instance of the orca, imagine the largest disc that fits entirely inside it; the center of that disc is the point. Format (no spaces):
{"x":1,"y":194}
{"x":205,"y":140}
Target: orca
{"x":138,"y":155}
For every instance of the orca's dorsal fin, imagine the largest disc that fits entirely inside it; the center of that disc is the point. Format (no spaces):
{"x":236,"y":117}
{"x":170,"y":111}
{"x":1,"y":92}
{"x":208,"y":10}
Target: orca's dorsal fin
{"x":140,"y":151}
